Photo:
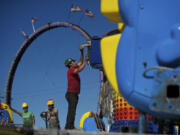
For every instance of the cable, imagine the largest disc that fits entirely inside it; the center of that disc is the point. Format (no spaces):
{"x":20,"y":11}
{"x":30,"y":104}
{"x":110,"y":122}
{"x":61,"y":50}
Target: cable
{"x":158,"y":68}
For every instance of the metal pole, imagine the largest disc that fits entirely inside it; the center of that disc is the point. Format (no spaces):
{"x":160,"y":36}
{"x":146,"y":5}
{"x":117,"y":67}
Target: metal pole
{"x":33,"y":27}
{"x":141,"y":124}
{"x":46,"y":122}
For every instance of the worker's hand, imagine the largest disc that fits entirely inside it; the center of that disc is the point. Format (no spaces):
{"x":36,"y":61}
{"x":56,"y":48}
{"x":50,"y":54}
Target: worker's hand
{"x":43,"y":114}
{"x":81,"y":49}
{"x":86,"y":58}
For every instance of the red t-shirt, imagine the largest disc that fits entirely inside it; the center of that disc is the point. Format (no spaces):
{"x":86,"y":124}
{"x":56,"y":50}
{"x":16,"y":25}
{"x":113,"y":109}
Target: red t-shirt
{"x":73,"y":81}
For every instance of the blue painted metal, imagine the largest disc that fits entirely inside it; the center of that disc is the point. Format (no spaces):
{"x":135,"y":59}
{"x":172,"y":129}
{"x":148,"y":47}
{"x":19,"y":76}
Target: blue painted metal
{"x":162,"y":99}
{"x":89,"y":125}
{"x":4,"y":117}
{"x":150,"y":127}
{"x":116,"y":126}
{"x":151,"y":38}
{"x":95,"y":54}
{"x":141,"y":124}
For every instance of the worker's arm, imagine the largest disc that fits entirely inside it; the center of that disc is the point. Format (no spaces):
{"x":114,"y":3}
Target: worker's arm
{"x":15,"y":110}
{"x":81,"y":57}
{"x":81,"y":67}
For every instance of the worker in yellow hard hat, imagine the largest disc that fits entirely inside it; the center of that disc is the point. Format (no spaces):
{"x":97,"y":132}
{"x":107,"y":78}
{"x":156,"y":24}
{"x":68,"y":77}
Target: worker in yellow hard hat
{"x":52,"y":115}
{"x":28,"y":117}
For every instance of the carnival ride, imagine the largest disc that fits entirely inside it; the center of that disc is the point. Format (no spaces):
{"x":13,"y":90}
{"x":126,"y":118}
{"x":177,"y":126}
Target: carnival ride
{"x":149,"y":76}
{"x":141,"y":62}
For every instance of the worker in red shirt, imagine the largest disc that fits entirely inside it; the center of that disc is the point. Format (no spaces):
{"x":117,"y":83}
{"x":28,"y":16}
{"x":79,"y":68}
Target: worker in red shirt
{"x":73,"y":89}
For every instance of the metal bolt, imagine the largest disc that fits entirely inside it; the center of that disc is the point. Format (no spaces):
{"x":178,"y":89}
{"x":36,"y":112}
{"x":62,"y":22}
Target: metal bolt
{"x":142,"y":7}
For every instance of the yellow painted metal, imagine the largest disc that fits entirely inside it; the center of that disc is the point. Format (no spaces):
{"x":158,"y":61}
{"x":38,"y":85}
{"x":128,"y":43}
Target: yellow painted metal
{"x":110,"y":9}
{"x":177,"y":129}
{"x":108,"y":53}
{"x":7,"y":108}
{"x":121,"y":27}
{"x":86,"y":115}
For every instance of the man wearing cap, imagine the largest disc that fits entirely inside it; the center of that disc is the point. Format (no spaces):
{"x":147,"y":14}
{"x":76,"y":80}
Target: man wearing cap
{"x":73,"y":89}
{"x":52,"y":115}
{"x":28,"y":117}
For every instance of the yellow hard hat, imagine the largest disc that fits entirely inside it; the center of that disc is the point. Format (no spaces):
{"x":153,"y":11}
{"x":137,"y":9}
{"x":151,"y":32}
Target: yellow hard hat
{"x":50,"y":102}
{"x":24,"y":105}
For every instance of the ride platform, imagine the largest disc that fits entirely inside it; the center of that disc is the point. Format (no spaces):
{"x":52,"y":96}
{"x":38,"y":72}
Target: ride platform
{"x":21,"y":131}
